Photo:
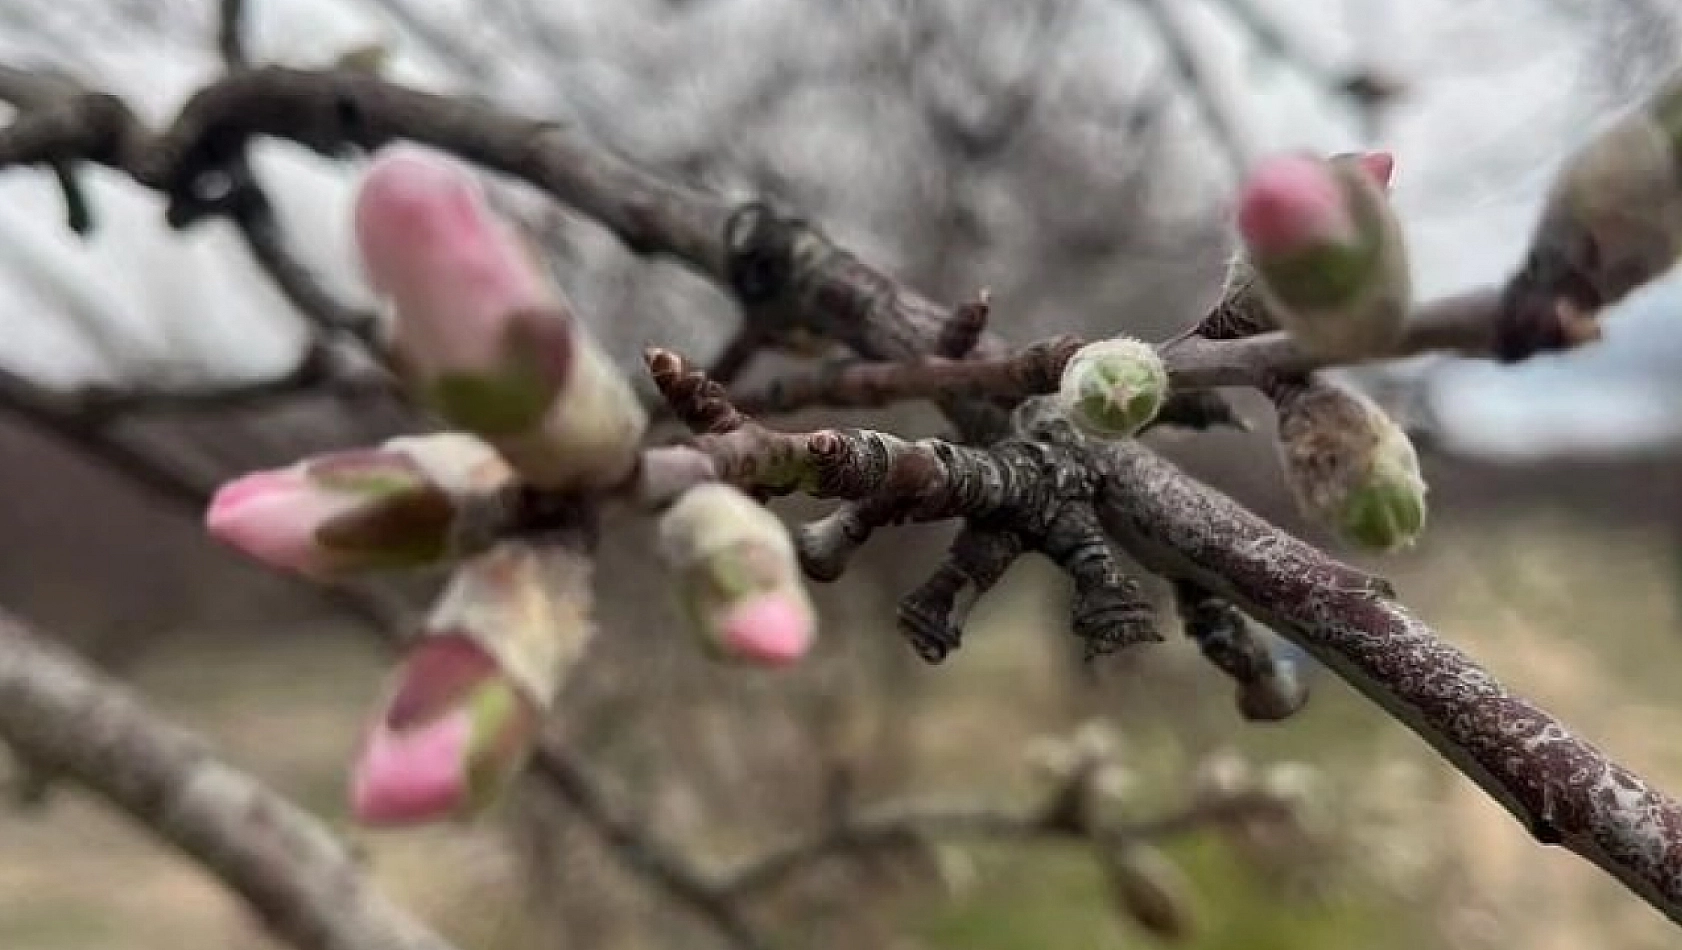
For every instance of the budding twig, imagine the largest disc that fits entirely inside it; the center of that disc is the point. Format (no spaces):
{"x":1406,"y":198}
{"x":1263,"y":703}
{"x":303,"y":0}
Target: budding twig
{"x":1032,"y":486}
{"x":1463,"y":325}
{"x":1566,"y":791}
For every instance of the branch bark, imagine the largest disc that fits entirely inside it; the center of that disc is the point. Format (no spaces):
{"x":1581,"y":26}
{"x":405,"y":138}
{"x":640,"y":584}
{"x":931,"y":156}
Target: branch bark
{"x":290,"y":869}
{"x":1560,"y":787}
{"x":1564,"y":790}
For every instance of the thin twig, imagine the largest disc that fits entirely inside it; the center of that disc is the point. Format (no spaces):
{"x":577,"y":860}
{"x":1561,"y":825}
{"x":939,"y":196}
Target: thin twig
{"x":899,"y":823}
{"x":1462,"y":325}
{"x":665,"y":868}
{"x":1566,"y":791}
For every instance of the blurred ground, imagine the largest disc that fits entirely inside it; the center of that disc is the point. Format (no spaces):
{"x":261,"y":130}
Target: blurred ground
{"x":1580,"y":616}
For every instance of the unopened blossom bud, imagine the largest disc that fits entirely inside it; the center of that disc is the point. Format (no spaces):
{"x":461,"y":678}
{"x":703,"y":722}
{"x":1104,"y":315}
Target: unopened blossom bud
{"x":1611,"y":222}
{"x":737,"y":576}
{"x":1276,"y":693}
{"x":452,"y":733}
{"x":1113,"y":388}
{"x":482,"y":335}
{"x":1351,"y":468}
{"x":1152,"y":891}
{"x":1327,"y":252}
{"x":403,"y":504}
{"x":468,"y":700}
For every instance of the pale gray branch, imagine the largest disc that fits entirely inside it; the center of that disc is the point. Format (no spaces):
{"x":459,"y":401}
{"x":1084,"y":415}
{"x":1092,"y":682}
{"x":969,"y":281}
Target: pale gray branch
{"x":291,"y":870}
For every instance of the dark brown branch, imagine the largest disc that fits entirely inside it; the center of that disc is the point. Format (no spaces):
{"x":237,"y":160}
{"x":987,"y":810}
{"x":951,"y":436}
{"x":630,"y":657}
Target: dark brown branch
{"x":932,"y":616}
{"x":1464,"y":325}
{"x":1109,"y":610}
{"x":1034,"y":486}
{"x":1034,"y":369}
{"x":230,"y":33}
{"x":317,"y":372}
{"x":59,"y":124}
{"x":1563,"y":789}
{"x":289,"y":867}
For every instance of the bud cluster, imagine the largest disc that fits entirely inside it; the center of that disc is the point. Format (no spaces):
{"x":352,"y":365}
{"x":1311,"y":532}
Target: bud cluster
{"x":485,"y":341}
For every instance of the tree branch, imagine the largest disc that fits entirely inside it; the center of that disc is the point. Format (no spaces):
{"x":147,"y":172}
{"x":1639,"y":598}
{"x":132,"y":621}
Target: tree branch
{"x":1563,"y":789}
{"x":896,"y":824}
{"x":1465,"y":325}
{"x":667,"y":869}
{"x":289,"y":868}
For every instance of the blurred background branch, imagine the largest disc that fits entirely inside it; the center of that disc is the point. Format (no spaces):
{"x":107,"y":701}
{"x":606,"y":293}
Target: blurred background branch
{"x":1039,"y":150}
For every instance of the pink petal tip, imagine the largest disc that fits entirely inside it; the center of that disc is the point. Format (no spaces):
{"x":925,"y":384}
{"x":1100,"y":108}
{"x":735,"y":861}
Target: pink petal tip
{"x":235,"y":494}
{"x":415,"y":776}
{"x":270,"y":516}
{"x":771,"y":630}
{"x":430,"y":241}
{"x":1290,"y":203}
{"x":1380,"y":165}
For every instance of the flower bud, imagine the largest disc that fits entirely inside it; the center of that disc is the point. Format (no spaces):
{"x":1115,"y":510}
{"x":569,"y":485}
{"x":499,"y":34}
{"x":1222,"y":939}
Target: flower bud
{"x":1277,"y":693}
{"x":1152,"y":891}
{"x":467,"y":702}
{"x":454,"y":730}
{"x":481,"y":334}
{"x":400,"y":505}
{"x":1327,"y":252}
{"x":1113,"y":388}
{"x":737,"y":576}
{"x":1350,"y":467}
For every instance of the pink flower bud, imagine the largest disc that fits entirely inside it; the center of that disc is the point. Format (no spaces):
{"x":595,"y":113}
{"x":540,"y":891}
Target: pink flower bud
{"x":364,"y":509}
{"x":452,"y":734}
{"x":770,"y":629}
{"x":455,"y":274}
{"x":482,"y":335}
{"x":737,"y":576}
{"x":468,"y":700}
{"x":1290,"y":203}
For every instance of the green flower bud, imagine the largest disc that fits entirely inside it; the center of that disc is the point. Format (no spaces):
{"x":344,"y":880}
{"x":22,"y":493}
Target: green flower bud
{"x":1113,"y":388}
{"x":1351,"y":468}
{"x":737,"y":576}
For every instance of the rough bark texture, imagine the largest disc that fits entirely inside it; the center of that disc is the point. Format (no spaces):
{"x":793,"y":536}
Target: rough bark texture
{"x":789,"y":277}
{"x":1564,"y":790}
